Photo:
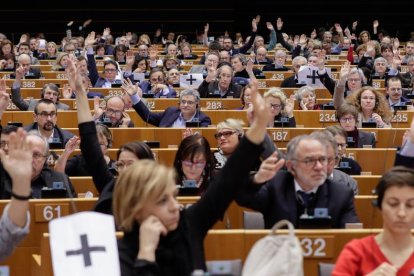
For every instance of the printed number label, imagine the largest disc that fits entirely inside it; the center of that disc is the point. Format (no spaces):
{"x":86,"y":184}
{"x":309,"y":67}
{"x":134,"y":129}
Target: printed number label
{"x":214,"y":105}
{"x":151,"y":104}
{"x":400,"y":118}
{"x":280,"y":135}
{"x":115,"y":93}
{"x":278,"y":77}
{"x":376,"y":84}
{"x":351,"y":155}
{"x":261,"y":84}
{"x":61,"y":76}
{"x":47,"y":212}
{"x":12,"y":106}
{"x":313,"y":247}
{"x":326,"y":117}
{"x":6,"y":76}
{"x":28,"y":84}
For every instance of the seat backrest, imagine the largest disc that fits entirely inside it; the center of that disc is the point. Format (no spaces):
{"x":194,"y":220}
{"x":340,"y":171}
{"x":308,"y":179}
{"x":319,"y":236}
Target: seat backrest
{"x":253,"y":220}
{"x":325,"y":269}
{"x":225,"y":267}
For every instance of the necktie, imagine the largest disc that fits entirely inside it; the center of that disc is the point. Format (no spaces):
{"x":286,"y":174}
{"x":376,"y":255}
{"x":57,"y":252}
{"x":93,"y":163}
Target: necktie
{"x":305,"y":198}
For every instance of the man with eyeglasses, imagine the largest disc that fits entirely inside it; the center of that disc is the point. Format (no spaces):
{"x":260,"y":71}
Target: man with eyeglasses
{"x":187,"y":111}
{"x":110,"y":75}
{"x":49,"y":91}
{"x":395,"y":93}
{"x":42,"y":176}
{"x":292,"y":81}
{"x":294,"y":194}
{"x":114,"y":115}
{"x":45,"y":119}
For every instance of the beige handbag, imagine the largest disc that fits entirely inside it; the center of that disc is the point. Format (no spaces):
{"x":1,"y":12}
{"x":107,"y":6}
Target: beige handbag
{"x":275,"y":254}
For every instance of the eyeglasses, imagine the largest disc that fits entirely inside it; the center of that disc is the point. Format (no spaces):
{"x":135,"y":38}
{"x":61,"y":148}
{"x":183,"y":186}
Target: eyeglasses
{"x":354,"y":80}
{"x":44,"y":114}
{"x":311,"y":162}
{"x":225,"y":134}
{"x":53,"y":94}
{"x":344,"y":145}
{"x":3,"y":144}
{"x":198,"y":165}
{"x":110,"y":111}
{"x":183,"y":102}
{"x":38,"y":156}
{"x":110,"y":70}
{"x":275,"y":106}
{"x":347,"y":119}
{"x":119,"y":165}
{"x":396,"y":89}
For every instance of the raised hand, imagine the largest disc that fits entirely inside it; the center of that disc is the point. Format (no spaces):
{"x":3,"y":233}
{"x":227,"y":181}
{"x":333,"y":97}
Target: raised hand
{"x":289,"y":106}
{"x":4,"y":97}
{"x":254,"y":23}
{"x":75,"y":78}
{"x":130,"y":58}
{"x":67,"y":91}
{"x":268,"y":169}
{"x":338,"y":28}
{"x":206,"y":28}
{"x":375,"y":24}
{"x":90,"y":39}
{"x":269,"y":26}
{"x":303,"y":39}
{"x":72,"y":145}
{"x":260,"y":116}
{"x":187,"y":132}
{"x":313,"y":34}
{"x":354,"y":25}
{"x":345,"y":69}
{"x":130,"y":88}
{"x":18,"y":161}
{"x":106,"y":32}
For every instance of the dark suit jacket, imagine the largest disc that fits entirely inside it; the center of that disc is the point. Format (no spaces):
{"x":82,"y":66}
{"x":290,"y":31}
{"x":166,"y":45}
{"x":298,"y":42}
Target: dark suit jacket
{"x":401,"y":160}
{"x":34,"y":73}
{"x":166,"y":118}
{"x":61,"y":134}
{"x":290,"y":82}
{"x":210,"y":89}
{"x":276,"y":200}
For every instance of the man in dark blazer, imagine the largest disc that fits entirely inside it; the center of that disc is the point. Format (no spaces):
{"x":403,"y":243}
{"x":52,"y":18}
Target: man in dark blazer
{"x":292,"y":81}
{"x":45,"y":119}
{"x":188,"y":111}
{"x":297,"y":192}
{"x":24,"y":62}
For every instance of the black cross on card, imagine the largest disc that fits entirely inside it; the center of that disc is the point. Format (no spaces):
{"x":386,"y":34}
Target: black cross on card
{"x":85,"y":250}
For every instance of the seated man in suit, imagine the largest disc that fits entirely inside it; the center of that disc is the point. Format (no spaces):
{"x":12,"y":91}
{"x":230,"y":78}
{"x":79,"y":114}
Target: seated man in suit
{"x":29,"y":72}
{"x":45,"y":119}
{"x":113,"y":114}
{"x":41,"y":176}
{"x":295,"y":193}
{"x":394,"y":92}
{"x":187,"y":111}
{"x":49,"y":91}
{"x":219,"y":83}
{"x":292,"y":81}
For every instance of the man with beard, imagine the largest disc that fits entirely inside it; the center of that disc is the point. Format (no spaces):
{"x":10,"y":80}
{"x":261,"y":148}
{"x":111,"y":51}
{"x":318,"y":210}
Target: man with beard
{"x":45,"y":118}
{"x":296,"y":193}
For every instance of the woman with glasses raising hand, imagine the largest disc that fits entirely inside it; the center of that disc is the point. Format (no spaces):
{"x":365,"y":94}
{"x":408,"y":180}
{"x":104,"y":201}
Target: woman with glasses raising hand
{"x":281,"y":108}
